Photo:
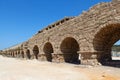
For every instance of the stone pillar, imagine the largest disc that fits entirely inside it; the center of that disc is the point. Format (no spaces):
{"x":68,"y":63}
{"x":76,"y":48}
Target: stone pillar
{"x":89,"y":58}
{"x":32,"y":56}
{"x":42,"y":57}
{"x":57,"y":58}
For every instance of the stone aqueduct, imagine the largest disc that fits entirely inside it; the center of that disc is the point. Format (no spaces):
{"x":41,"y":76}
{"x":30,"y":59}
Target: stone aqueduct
{"x":85,"y":39}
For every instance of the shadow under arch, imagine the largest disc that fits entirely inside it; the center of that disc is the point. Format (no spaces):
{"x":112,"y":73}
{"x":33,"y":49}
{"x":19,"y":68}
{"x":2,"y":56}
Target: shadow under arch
{"x":28,"y":54}
{"x":104,"y":40}
{"x":69,"y":47}
{"x":22,"y":54}
{"x":48,"y":50}
{"x":36,"y":51}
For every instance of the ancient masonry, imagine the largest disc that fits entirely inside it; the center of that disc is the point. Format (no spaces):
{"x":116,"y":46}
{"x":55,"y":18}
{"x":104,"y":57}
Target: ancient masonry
{"x":85,"y":39}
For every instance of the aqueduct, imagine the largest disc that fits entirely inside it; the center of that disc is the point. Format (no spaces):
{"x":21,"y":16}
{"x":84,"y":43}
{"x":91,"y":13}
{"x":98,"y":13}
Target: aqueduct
{"x":85,"y":39}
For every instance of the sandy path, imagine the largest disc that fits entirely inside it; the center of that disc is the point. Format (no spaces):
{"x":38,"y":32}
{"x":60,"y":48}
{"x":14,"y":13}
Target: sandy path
{"x":13,"y":69}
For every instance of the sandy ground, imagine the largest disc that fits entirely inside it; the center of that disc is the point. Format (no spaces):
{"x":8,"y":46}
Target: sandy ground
{"x":115,"y":58}
{"x":14,"y":69}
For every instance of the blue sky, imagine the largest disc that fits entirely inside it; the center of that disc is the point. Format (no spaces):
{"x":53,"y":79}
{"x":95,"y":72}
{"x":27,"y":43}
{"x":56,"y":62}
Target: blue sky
{"x":21,"y":19}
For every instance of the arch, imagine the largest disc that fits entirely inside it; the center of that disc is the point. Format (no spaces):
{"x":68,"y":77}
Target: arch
{"x":76,"y":37}
{"x":104,"y":40}
{"x":36,"y":51}
{"x":22,"y":54}
{"x":69,"y":47}
{"x":48,"y":50}
{"x":28,"y":54}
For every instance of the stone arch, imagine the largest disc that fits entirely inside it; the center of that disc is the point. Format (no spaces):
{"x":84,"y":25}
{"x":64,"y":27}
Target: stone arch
{"x":76,"y":37}
{"x":36,"y":51}
{"x":69,"y":47}
{"x":28,"y":54}
{"x":48,"y":50}
{"x":22,"y":54}
{"x":104,"y":40}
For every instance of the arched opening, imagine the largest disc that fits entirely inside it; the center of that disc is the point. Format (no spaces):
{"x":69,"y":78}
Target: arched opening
{"x":15,"y":54}
{"x":36,"y":51}
{"x":28,"y":54}
{"x":69,"y":48}
{"x":22,"y":54}
{"x":48,"y":50}
{"x":116,"y":51}
{"x":104,"y":40}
